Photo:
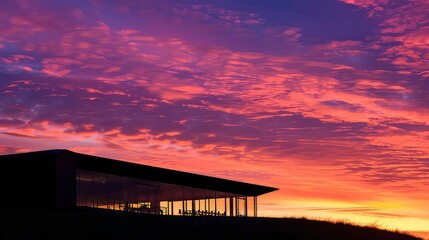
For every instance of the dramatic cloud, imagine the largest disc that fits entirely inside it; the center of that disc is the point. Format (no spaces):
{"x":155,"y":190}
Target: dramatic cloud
{"x":253,"y":92}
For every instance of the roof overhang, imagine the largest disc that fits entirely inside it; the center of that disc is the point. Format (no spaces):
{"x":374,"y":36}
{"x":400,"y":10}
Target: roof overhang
{"x":140,"y":171}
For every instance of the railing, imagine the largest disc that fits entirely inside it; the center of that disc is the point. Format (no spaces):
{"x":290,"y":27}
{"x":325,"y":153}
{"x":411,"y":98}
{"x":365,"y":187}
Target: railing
{"x":201,"y":213}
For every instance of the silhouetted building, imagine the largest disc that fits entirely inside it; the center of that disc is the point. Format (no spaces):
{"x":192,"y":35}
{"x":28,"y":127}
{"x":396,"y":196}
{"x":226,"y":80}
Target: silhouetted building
{"x":65,"y":179}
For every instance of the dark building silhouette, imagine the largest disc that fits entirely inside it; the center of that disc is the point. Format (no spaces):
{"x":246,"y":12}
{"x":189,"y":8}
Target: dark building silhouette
{"x":65,"y":179}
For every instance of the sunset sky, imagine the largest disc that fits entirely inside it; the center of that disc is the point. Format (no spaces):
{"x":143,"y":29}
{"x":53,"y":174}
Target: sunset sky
{"x":326,"y":100}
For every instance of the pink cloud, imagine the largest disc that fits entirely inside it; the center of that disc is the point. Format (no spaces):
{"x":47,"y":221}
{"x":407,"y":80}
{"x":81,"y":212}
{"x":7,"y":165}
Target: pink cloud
{"x":367,"y":83}
{"x":92,"y":90}
{"x":219,"y":16}
{"x":374,"y":6}
{"x":365,"y":3}
{"x":112,"y":69}
{"x":404,"y":29}
{"x":19,"y":20}
{"x":14,"y":59}
{"x":341,"y":48}
{"x":58,"y":67}
{"x":285,"y":34}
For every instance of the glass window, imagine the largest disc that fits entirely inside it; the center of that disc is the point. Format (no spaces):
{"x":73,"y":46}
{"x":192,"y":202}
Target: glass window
{"x":106,"y":191}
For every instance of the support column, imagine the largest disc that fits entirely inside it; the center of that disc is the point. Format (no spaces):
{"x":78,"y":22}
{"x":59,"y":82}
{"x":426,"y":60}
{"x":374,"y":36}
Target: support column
{"x":237,"y":206}
{"x":193,"y":208}
{"x":225,"y":210}
{"x":231,"y":206}
{"x":245,"y":206}
{"x":255,"y":206}
{"x":215,"y":210}
{"x":183,"y":207}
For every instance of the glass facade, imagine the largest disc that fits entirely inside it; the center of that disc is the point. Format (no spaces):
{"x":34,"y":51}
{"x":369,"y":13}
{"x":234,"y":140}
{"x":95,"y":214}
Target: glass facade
{"x":99,"y":190}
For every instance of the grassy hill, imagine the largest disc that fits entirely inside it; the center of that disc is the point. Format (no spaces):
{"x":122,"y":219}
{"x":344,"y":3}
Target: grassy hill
{"x":98,"y":224}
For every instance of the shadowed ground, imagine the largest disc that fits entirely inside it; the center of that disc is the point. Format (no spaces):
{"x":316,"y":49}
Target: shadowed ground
{"x":99,"y":224}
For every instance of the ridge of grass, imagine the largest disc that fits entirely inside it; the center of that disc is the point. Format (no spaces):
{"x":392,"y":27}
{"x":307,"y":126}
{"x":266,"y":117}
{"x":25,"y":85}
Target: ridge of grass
{"x":82,"y":224}
{"x":344,"y":221}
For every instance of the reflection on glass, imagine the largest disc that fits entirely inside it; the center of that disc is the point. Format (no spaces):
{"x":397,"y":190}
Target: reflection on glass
{"x":99,"y":190}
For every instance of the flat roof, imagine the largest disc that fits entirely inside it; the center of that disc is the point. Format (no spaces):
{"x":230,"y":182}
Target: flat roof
{"x":140,"y":171}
